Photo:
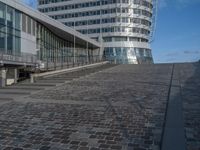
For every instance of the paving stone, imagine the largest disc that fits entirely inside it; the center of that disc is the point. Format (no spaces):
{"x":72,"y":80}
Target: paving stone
{"x":83,"y":148}
{"x":104,"y":146}
{"x":83,"y":143}
{"x":121,"y":107}
{"x":94,"y":148}
{"x":45,"y":148}
{"x":116,"y":147}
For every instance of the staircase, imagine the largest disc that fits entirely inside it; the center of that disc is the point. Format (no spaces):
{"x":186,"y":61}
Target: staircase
{"x":26,"y":88}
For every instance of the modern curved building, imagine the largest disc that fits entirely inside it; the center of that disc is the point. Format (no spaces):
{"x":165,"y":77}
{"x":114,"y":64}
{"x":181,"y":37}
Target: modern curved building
{"x":124,"y":27}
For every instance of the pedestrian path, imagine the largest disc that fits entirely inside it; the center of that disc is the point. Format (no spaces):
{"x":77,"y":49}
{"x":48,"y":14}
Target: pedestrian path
{"x":123,"y":107}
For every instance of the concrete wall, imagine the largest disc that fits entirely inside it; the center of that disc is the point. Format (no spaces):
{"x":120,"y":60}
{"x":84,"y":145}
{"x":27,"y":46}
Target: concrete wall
{"x":8,"y":76}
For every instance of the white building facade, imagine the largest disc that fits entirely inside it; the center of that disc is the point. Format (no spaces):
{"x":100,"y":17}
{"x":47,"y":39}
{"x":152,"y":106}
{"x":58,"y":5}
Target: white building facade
{"x":124,"y":27}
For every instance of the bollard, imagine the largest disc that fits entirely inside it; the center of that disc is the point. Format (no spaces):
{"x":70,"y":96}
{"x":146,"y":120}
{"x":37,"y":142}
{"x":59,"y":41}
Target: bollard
{"x":32,"y":78}
{"x":3,"y":72}
{"x":15,"y":75}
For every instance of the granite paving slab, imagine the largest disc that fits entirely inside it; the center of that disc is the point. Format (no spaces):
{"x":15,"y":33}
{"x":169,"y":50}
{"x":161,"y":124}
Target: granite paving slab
{"x":121,"y":108}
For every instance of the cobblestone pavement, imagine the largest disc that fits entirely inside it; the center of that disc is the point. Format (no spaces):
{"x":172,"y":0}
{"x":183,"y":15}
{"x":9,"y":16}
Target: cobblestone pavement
{"x":189,"y":75}
{"x":119,"y":108}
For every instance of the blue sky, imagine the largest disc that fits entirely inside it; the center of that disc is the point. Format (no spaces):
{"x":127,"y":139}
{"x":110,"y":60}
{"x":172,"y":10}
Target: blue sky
{"x":32,"y":3}
{"x":177,"y":36}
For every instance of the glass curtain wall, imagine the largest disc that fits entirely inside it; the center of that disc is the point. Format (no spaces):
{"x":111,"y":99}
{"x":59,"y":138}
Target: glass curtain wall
{"x":126,"y":55}
{"x":52,"y":48}
{"x":2,"y":27}
{"x":10,"y":31}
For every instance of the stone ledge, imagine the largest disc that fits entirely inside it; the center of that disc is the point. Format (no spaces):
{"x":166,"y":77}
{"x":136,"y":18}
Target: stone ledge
{"x":52,"y":73}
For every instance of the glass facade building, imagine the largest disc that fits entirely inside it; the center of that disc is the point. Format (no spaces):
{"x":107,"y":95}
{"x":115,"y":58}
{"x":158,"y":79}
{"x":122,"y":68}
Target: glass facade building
{"x":29,"y":33}
{"x":55,"y":49}
{"x":123,"y":26}
{"x":10,"y":30}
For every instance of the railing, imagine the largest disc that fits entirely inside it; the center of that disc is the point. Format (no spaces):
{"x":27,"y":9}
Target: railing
{"x":48,"y":63}
{"x":68,"y":62}
{"x":137,"y":60}
{"x":14,"y":59}
{"x":38,"y":75}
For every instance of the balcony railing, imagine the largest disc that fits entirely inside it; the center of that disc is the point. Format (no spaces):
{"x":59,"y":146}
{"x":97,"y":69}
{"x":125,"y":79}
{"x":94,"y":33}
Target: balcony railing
{"x":48,"y":63}
{"x":68,"y":62}
{"x":23,"y":58}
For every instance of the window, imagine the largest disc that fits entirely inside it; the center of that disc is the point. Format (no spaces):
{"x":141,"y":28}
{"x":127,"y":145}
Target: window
{"x":120,"y":39}
{"x":33,"y":27}
{"x":2,"y":37}
{"x":2,"y":27}
{"x":17,"y":45}
{"x":10,"y":42}
{"x":24,"y":22}
{"x":9,"y":16}
{"x":107,"y":39}
{"x":29,"y":25}
{"x":134,"y":39}
{"x":118,"y":51}
{"x":2,"y":13}
{"x":17,"y":20}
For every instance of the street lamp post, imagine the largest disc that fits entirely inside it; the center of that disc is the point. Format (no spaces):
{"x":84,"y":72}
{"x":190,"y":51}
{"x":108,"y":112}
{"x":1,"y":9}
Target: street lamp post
{"x":74,"y":42}
{"x":74,"y":45}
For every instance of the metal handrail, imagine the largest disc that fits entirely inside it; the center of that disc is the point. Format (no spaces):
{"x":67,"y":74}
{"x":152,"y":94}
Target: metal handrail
{"x":68,"y":62}
{"x":22,"y":58}
{"x":59,"y":60}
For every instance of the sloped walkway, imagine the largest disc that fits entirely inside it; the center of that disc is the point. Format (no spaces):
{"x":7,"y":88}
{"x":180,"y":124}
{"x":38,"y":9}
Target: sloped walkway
{"x":122,"y":107}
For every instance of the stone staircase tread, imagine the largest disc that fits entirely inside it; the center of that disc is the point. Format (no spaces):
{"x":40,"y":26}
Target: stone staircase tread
{"x":12,"y":92}
{"x":37,"y":84}
{"x":6,"y":99}
{"x":24,"y":88}
{"x":50,"y":81}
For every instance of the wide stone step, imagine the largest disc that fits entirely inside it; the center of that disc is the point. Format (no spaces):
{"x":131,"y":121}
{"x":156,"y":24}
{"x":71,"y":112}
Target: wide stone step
{"x":8,"y":91}
{"x":50,"y":81}
{"x":55,"y":78}
{"x":68,"y":75}
{"x":72,"y":75}
{"x":60,"y":78}
{"x":77,"y":74}
{"x":38,"y":84}
{"x":24,"y":87}
{"x":5,"y":99}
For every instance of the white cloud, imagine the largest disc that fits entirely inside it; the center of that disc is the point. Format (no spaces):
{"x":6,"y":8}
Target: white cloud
{"x":178,"y":56}
{"x":191,"y":52}
{"x":181,"y":52}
